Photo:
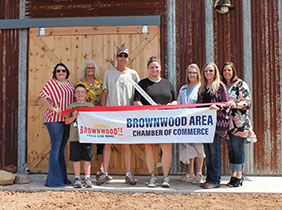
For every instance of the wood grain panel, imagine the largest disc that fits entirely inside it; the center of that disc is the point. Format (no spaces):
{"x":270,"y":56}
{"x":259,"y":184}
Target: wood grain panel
{"x":74,"y":46}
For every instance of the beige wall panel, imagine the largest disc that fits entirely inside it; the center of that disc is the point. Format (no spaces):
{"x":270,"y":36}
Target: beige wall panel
{"x":76,"y":56}
{"x":65,"y":53}
{"x":97,"y":54}
{"x":74,"y":46}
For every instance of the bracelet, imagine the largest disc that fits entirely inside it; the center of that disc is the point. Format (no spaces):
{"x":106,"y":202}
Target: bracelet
{"x":244,"y":105}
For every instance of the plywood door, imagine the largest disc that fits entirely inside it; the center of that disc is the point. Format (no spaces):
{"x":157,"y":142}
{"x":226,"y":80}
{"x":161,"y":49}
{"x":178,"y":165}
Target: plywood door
{"x":73,"y":46}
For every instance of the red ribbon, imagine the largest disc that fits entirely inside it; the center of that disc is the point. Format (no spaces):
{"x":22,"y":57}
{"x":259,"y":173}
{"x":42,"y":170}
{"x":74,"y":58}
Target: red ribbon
{"x":134,"y":108}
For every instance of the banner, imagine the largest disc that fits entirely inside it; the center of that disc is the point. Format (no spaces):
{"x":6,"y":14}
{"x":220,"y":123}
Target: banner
{"x":183,"y":125}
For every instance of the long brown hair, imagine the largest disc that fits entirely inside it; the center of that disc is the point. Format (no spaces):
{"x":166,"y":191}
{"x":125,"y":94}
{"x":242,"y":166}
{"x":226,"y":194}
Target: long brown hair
{"x":234,"y":77}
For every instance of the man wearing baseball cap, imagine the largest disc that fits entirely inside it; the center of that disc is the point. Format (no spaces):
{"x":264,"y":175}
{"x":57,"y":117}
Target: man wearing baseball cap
{"x":118,"y":91}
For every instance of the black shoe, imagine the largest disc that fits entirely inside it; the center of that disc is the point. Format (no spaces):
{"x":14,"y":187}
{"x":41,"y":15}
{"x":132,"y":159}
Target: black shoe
{"x":67,"y":182}
{"x":232,"y":180}
{"x":237,"y":182}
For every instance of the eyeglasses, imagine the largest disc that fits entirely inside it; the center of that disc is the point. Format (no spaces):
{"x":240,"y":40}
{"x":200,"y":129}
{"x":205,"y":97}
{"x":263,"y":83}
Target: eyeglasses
{"x":191,"y":72}
{"x":208,"y":70}
{"x":79,"y":92}
{"x":59,"y":70}
{"x":90,"y":68}
{"x":123,"y":55}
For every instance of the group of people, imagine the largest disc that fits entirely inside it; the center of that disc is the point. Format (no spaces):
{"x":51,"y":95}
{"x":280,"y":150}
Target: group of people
{"x":206,"y":86}
{"x":233,"y":123}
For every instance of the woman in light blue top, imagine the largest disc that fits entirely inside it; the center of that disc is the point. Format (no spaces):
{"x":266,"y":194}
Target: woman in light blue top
{"x":189,"y":152}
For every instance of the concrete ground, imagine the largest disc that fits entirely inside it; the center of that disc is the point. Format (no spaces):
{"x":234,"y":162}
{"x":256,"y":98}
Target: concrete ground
{"x":252,"y":184}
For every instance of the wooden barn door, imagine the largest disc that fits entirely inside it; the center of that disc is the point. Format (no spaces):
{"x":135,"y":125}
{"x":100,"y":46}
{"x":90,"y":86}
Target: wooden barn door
{"x":73,"y":46}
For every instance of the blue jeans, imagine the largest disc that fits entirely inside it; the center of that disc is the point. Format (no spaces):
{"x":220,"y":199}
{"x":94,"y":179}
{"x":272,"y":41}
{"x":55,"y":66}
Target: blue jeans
{"x":213,"y":160}
{"x":236,"y":153}
{"x":57,"y":172}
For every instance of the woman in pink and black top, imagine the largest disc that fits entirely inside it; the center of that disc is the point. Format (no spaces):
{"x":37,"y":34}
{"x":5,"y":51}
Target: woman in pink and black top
{"x":56,"y":95}
{"x":212,"y":90}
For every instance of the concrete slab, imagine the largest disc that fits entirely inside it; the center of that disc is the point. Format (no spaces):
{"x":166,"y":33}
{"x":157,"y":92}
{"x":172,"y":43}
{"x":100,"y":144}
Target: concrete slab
{"x":252,"y":184}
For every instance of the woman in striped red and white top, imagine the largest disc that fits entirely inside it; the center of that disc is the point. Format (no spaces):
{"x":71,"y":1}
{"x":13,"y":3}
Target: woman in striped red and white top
{"x":56,"y":95}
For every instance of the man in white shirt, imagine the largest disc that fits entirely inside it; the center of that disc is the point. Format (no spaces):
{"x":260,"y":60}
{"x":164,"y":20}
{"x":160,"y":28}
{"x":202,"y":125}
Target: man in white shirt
{"x":118,"y":91}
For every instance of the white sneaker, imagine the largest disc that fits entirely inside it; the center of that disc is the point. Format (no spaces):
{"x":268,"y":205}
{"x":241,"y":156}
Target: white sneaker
{"x":198,"y":179}
{"x":187,"y":178}
{"x":166,"y":182}
{"x":152,"y":182}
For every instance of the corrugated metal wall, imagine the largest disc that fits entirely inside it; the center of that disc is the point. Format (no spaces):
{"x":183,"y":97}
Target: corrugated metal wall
{"x":90,"y":8}
{"x":9,"y":44}
{"x":191,"y":47}
{"x":267,"y":71}
{"x":228,"y":46}
{"x":190,"y":18}
{"x":228,"y":38}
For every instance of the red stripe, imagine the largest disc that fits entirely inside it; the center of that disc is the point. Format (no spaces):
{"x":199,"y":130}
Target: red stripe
{"x":61,"y":96}
{"x":54,"y":92}
{"x":134,"y":108}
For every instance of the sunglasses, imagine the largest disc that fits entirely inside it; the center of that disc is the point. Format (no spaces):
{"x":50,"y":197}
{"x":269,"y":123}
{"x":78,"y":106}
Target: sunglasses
{"x":123,"y":55}
{"x":60,"y":70}
{"x":208,"y":70}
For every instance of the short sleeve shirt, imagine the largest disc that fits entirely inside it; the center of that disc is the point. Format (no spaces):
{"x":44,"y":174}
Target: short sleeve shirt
{"x":59,"y":95}
{"x":73,"y":126}
{"x":161,"y":92}
{"x":120,"y":90}
{"x":93,"y":92}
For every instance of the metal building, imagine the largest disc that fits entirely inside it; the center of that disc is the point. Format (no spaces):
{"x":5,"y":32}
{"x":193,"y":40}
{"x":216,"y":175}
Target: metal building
{"x":190,"y":31}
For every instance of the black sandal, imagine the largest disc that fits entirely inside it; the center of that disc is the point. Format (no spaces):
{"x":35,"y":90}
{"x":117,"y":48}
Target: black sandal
{"x":238,"y":182}
{"x":231,"y":182}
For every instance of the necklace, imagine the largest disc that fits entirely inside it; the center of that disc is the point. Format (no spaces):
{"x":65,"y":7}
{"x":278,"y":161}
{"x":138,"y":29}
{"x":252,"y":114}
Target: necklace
{"x":90,"y":83}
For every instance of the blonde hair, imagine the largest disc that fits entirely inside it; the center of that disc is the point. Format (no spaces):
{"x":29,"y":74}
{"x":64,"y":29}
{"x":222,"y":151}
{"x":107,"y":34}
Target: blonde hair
{"x":216,"y":81}
{"x":83,"y":75}
{"x":193,"y":66}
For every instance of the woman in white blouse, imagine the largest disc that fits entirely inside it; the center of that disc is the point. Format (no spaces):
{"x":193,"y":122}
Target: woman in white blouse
{"x":189,"y":152}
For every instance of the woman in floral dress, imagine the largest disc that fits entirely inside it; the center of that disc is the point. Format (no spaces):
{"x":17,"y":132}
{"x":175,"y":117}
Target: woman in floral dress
{"x":240,"y":129}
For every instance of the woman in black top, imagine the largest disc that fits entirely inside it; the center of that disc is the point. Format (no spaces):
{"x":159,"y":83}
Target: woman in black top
{"x":162,"y":92}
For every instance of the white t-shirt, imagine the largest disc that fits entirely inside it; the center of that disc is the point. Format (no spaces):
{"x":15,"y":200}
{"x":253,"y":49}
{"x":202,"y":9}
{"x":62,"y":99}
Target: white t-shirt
{"x":120,"y":90}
